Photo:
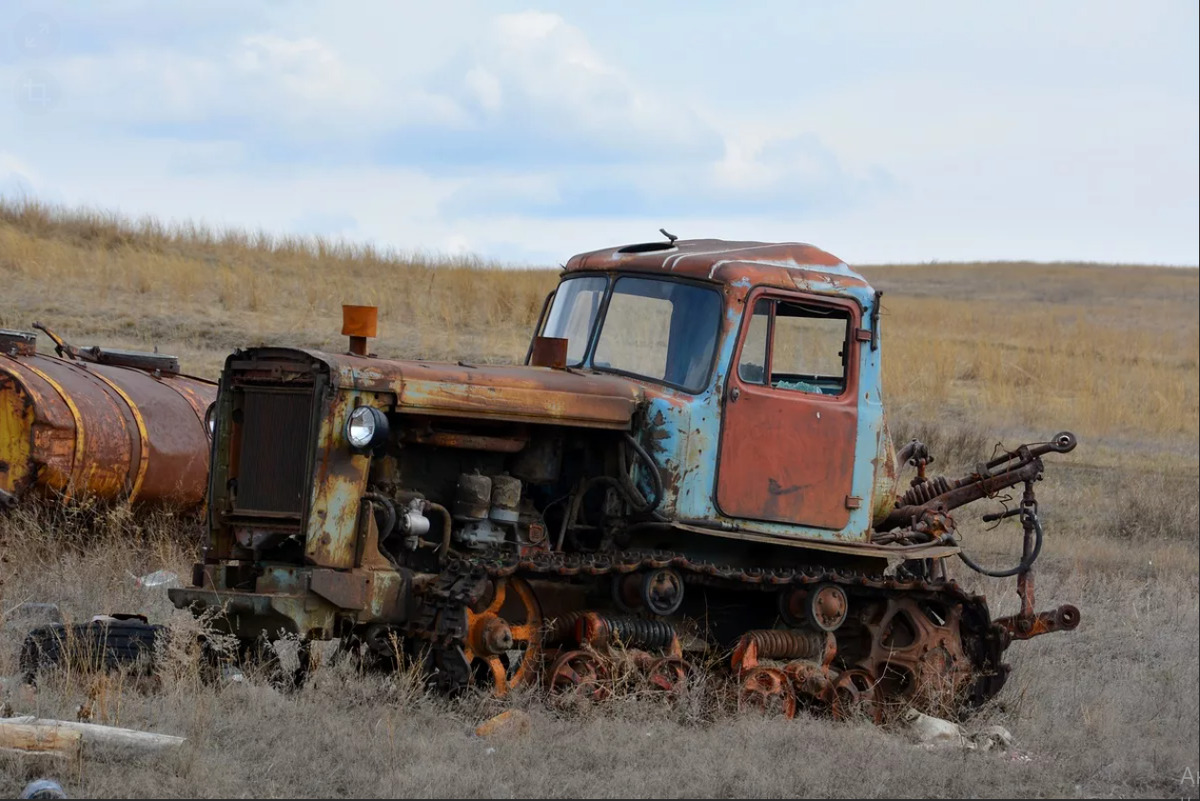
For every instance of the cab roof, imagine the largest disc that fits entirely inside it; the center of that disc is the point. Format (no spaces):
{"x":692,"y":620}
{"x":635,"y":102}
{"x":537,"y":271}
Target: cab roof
{"x":782,"y":264}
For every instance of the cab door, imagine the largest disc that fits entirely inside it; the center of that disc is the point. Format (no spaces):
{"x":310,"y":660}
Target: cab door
{"x":790,"y":414}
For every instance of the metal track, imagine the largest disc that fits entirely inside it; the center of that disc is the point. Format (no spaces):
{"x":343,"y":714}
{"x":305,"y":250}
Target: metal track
{"x":441,"y":619}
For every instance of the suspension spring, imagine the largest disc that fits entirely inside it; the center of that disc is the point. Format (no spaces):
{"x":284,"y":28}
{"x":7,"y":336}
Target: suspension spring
{"x":563,"y":627}
{"x":786,"y":643}
{"x":630,"y":632}
{"x":926,"y":491}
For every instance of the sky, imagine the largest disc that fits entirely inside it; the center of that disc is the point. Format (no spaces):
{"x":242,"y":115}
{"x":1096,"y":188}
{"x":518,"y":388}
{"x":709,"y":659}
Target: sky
{"x":880,"y":131}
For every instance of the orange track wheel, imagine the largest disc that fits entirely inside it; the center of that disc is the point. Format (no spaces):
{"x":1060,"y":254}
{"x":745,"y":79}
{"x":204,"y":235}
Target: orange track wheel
{"x":767,"y":690}
{"x":579,"y":674}
{"x":504,"y":640}
{"x":669,"y":674}
{"x":856,"y":691}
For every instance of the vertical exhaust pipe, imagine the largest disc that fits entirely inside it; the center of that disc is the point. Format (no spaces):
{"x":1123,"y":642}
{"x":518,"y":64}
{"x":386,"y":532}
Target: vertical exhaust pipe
{"x":359,"y":323}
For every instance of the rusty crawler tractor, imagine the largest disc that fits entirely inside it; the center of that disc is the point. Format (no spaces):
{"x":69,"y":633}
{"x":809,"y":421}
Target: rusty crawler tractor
{"x":692,"y":462}
{"x":102,"y":425}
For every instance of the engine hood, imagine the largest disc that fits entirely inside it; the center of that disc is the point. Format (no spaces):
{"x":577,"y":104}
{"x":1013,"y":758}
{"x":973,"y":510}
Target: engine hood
{"x":497,"y":392}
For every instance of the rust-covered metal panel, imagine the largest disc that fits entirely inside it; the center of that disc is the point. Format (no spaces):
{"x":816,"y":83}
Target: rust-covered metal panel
{"x":534,"y":394}
{"x":787,"y":458}
{"x":784,"y":265}
{"x":77,"y":428}
{"x":339,"y":481}
{"x":788,"y":455}
{"x":494,"y":392}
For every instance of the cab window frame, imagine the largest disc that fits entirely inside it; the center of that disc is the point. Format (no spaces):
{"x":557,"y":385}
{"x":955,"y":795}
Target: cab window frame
{"x":712,"y":286}
{"x":850,"y":346}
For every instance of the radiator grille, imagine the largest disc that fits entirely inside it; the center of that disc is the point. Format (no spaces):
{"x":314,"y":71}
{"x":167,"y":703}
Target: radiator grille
{"x":276,"y":437}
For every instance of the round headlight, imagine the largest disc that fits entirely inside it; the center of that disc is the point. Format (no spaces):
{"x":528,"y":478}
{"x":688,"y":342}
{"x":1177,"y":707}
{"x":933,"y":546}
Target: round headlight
{"x":366,"y":428}
{"x":210,"y":420}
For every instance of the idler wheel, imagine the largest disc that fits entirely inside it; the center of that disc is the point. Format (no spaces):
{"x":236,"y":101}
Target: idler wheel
{"x":856,"y":692}
{"x":811,"y":682}
{"x":792,"y":604}
{"x":767,"y":690}
{"x":826,"y":607}
{"x":670,"y":674}
{"x":580,"y":675}
{"x":627,"y":592}
{"x":662,"y":591}
{"x":503,"y":644}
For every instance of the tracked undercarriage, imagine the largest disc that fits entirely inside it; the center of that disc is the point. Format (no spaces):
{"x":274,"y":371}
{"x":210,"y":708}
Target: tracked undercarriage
{"x":690,"y":475}
{"x":913,"y":642}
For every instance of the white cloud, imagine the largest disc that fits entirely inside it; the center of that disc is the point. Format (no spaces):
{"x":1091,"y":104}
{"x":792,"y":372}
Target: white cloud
{"x":17,"y":179}
{"x":557,"y":85}
{"x":267,"y":81}
{"x":486,"y":88}
{"x":1022,"y":130}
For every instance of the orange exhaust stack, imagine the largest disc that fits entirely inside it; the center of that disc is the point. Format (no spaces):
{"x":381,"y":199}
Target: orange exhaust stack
{"x":549,"y":352}
{"x":360,"y":324}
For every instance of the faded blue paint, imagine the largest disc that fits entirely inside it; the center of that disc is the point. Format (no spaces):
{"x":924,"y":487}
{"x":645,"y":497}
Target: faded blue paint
{"x":684,"y":430}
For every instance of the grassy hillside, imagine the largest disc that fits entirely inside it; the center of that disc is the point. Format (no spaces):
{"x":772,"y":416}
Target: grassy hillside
{"x":1104,"y":349}
{"x":974,"y":353}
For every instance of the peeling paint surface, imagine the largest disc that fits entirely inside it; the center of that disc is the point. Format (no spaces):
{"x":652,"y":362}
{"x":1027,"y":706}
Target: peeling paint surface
{"x":684,"y":431}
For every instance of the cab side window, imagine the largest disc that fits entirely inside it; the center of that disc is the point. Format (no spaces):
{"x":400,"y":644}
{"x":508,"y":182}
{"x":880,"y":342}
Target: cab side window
{"x":752,"y":366}
{"x":798,"y":347}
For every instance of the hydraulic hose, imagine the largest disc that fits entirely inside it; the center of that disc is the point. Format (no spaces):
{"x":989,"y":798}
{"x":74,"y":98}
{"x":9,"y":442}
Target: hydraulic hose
{"x":389,"y":508}
{"x":656,"y":482}
{"x":623,"y":485}
{"x":447,"y":526}
{"x":1026,"y":562}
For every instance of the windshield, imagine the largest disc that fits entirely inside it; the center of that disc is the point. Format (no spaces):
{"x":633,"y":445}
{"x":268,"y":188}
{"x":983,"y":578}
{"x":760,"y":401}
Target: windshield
{"x":576,"y":306}
{"x":665,"y":331}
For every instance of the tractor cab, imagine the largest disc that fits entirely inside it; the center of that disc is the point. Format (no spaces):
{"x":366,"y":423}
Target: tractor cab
{"x":760,"y":369}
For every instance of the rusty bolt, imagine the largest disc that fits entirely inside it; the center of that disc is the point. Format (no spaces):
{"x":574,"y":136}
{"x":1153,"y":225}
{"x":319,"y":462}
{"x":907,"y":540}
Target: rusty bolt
{"x":497,"y":636}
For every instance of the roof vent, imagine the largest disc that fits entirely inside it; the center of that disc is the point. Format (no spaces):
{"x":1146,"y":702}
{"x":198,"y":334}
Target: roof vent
{"x":647,"y":247}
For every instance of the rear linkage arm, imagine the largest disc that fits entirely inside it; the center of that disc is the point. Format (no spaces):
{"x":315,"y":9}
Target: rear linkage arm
{"x":928,"y":500}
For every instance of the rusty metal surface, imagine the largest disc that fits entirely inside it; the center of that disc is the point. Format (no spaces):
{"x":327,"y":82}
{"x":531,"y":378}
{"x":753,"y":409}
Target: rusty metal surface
{"x":456,"y":439}
{"x":685,"y":434}
{"x":789,"y":456}
{"x":80,"y":429}
{"x":338,"y":483}
{"x":1028,"y":626}
{"x":916,"y":653}
{"x":488,"y":392}
{"x":775,"y":505}
{"x":359,"y":321}
{"x":548,"y":352}
{"x":783,"y":265}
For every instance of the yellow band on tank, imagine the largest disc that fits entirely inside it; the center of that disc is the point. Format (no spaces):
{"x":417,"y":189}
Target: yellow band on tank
{"x":77,"y":463}
{"x":144,"y":457}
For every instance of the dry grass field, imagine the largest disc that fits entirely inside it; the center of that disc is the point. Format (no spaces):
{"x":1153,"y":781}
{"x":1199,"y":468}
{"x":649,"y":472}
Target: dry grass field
{"x":974,"y":354}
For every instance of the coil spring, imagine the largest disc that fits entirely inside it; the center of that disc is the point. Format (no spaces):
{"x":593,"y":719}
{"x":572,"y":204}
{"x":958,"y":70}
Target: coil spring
{"x":926,"y":491}
{"x":632,"y":632}
{"x":563,"y":627}
{"x":787,"y":643}
{"x":639,"y":633}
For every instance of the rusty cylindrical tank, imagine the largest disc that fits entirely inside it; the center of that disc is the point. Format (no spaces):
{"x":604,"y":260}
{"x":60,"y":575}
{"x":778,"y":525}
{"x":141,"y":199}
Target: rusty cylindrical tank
{"x":102,"y":425}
